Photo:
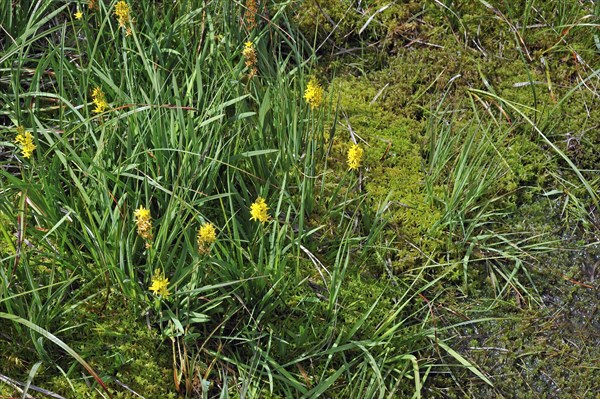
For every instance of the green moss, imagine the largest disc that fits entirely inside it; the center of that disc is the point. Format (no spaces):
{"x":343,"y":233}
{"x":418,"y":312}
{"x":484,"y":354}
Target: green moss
{"x":335,"y":21}
{"x":113,"y":341}
{"x":526,"y":356}
{"x":392,"y":165}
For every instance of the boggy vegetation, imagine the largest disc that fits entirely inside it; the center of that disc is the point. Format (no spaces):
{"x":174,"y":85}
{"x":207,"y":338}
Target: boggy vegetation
{"x":515,"y":83}
{"x":401,"y":199}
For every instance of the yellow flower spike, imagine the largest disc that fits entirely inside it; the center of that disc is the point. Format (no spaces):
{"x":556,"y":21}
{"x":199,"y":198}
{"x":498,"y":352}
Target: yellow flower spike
{"x":160,"y":284}
{"x":99,"y":100}
{"x":25,"y":141}
{"x":259,"y":211}
{"x":249,"y":53}
{"x":143,"y":220}
{"x":355,"y":154}
{"x":248,"y":46}
{"x":78,"y":15}
{"x":313,"y":93}
{"x":122,"y":13}
{"x":250,"y":14}
{"x":207,"y":235}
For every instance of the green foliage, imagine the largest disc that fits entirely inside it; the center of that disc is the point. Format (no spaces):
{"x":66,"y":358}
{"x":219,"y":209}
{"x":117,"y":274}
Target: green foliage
{"x":342,"y":290}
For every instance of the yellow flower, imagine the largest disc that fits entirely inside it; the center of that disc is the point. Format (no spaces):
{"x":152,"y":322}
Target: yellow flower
{"x":122,"y":13}
{"x":313,"y":93}
{"x":160,"y":284}
{"x":258,"y":210}
{"x":355,"y":154}
{"x":78,"y":15}
{"x":25,"y":140}
{"x":99,"y":100}
{"x":249,"y":53}
{"x":207,"y":235}
{"x":143,"y":219}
